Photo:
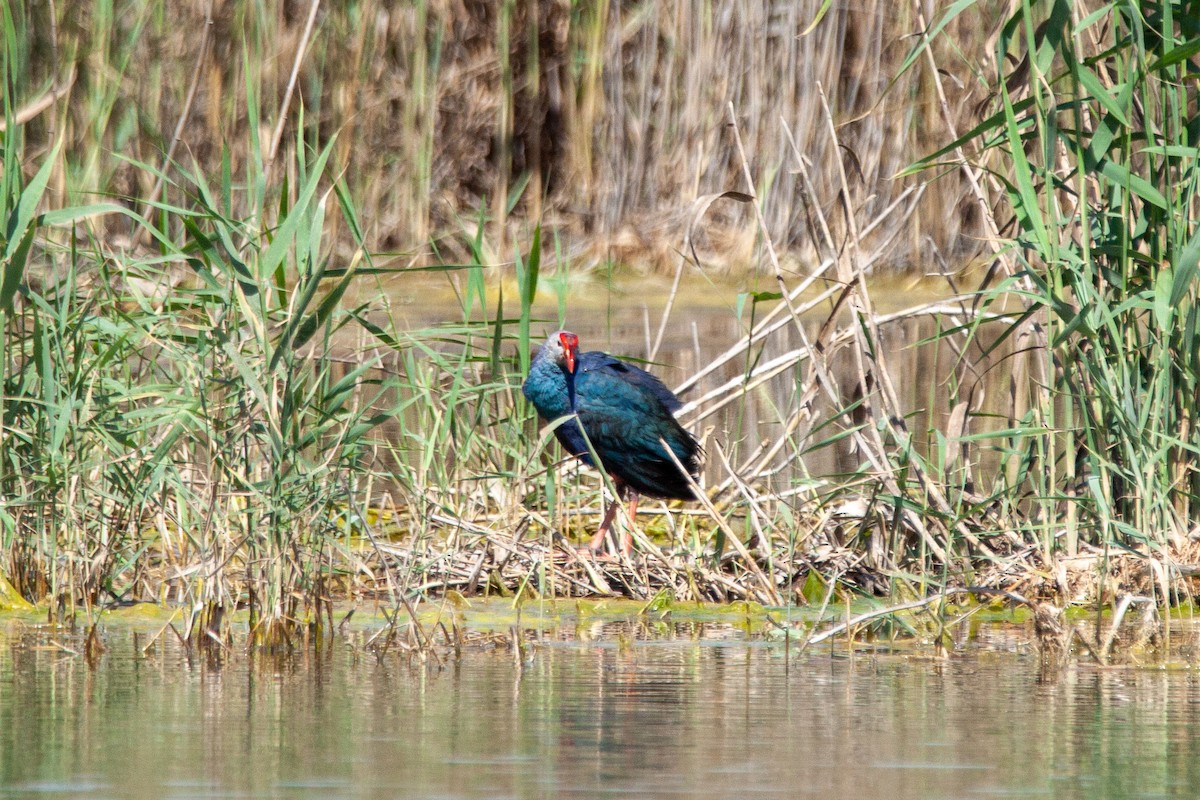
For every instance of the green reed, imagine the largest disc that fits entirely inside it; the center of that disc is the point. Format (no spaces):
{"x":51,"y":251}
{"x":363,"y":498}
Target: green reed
{"x":193,"y":404}
{"x":188,"y":421}
{"x":1092,"y":139}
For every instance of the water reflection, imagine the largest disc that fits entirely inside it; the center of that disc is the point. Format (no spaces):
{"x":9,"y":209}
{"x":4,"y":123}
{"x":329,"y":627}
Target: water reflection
{"x":683,"y":718}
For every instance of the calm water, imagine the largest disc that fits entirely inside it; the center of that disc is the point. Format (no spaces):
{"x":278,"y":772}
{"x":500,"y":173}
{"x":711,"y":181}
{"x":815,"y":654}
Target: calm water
{"x":676,"y":718}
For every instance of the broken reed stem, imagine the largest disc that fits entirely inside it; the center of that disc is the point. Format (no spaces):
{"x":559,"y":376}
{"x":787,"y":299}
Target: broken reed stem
{"x":882,"y":612}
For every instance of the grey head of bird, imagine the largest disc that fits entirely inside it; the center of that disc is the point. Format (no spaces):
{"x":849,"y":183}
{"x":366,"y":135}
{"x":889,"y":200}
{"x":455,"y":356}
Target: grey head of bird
{"x":563,"y":349}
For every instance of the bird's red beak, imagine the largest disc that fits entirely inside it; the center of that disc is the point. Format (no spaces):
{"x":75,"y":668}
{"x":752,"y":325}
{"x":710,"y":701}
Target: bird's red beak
{"x":570,"y":346}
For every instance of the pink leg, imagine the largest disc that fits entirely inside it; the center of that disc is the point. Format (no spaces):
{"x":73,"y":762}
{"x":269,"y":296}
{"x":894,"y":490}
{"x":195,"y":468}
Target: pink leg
{"x":631,"y":499}
{"x":596,"y":544}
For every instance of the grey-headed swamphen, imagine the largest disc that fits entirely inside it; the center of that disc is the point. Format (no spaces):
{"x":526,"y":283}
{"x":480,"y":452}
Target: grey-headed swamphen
{"x":627,"y":414}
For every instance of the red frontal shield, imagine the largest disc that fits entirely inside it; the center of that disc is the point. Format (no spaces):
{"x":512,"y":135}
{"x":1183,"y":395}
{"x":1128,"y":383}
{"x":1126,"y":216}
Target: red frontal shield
{"x":570,"y":345}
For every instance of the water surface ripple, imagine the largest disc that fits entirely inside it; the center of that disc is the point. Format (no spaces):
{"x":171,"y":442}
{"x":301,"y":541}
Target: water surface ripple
{"x":676,"y":719}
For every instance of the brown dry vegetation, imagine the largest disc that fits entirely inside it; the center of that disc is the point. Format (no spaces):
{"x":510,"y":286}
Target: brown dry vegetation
{"x":604,"y":120}
{"x":235,"y":464}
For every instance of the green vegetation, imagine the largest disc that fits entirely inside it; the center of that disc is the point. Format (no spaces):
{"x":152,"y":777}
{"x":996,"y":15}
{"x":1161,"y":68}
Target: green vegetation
{"x":1090,"y":148}
{"x":210,"y":401}
{"x":1087,"y":154}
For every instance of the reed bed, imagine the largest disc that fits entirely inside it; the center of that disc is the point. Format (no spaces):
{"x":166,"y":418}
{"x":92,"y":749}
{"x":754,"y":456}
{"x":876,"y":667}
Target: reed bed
{"x":594,"y":119}
{"x":209,"y":401}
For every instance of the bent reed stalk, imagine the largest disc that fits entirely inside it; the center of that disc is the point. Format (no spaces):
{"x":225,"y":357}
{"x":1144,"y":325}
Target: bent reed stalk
{"x":211,"y":421}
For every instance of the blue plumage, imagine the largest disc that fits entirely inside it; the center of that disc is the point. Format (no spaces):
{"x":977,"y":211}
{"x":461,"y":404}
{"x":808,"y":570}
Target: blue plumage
{"x":625,"y":411}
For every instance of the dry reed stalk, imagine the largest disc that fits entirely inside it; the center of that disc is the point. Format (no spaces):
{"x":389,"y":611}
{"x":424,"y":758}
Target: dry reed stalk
{"x":699,"y":207}
{"x":177,"y":136}
{"x":880,"y":371}
{"x":32,"y":109}
{"x":754,"y":502}
{"x":767,"y":326}
{"x":993,"y":240}
{"x":282,"y":116}
{"x":851,"y":278}
{"x":599,"y":112}
{"x":1032,"y":329}
{"x":768,"y":590}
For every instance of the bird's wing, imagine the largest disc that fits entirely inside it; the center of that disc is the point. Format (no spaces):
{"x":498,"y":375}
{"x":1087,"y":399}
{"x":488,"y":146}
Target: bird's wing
{"x":626,"y":418}
{"x":627,"y":424}
{"x":599,"y":364}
